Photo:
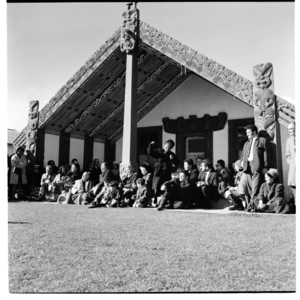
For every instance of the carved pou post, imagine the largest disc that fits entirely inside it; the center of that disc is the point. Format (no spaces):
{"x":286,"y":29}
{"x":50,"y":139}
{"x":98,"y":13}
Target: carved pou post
{"x":33,"y":121}
{"x":265,"y":111}
{"x":264,"y":100}
{"x":129,"y":45}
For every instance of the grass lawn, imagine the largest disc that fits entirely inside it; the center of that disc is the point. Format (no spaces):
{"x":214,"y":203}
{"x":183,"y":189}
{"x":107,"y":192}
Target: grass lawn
{"x":70,"y":248}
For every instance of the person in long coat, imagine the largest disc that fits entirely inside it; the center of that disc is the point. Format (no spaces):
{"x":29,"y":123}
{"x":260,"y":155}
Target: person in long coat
{"x":18,"y":172}
{"x":166,"y":163}
{"x":271,"y":195}
{"x":290,"y":157}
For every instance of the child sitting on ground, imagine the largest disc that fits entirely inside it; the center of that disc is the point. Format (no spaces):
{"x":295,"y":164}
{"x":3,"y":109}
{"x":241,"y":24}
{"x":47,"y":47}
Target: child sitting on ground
{"x":142,"y":198}
{"x":112,"y":198}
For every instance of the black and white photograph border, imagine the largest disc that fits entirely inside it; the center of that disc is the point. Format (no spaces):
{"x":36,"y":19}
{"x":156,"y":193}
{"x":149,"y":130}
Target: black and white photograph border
{"x":200,"y":71}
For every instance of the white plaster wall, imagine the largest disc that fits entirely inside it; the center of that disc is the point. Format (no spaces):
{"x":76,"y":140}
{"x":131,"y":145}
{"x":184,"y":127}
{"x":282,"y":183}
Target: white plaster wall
{"x":98,"y":151}
{"x":198,"y":97}
{"x":51,"y":148}
{"x":76,"y":150}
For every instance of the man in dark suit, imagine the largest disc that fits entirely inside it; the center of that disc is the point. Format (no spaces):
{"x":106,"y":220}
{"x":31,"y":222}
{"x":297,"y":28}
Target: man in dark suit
{"x":207,"y":185}
{"x":256,"y":160}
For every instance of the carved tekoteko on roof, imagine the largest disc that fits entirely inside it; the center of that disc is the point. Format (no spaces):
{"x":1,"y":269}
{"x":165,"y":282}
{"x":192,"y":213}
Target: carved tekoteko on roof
{"x":195,"y":124}
{"x":129,"y":29}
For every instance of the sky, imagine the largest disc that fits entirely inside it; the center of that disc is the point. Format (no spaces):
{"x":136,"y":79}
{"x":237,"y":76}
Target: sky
{"x":48,"y":43}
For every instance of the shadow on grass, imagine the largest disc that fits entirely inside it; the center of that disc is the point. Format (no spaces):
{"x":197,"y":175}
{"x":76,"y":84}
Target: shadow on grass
{"x":18,"y":222}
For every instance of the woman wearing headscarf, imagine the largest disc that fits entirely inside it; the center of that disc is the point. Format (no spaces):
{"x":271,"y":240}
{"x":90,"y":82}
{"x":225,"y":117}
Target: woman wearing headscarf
{"x":18,"y":172}
{"x":271,"y":195}
{"x":166,"y":162}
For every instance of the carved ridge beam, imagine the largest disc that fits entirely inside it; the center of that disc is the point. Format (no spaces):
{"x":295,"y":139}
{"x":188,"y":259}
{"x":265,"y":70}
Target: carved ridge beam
{"x":159,"y":97}
{"x":100,"y":99}
{"x":158,"y":54}
{"x":79,"y":77}
{"x":214,"y":72}
{"x":286,"y":112}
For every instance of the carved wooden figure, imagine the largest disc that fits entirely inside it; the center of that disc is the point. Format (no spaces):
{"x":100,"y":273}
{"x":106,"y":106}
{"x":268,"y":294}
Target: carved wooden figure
{"x":33,"y":121}
{"x":129,"y":28}
{"x":264,"y":99}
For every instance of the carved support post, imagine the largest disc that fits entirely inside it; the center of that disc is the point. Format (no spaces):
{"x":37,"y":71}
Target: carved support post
{"x":129,"y":44}
{"x":32,"y":129}
{"x":265,"y":111}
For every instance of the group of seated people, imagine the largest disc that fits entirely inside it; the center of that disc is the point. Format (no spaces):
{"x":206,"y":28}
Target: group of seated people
{"x":161,"y":185}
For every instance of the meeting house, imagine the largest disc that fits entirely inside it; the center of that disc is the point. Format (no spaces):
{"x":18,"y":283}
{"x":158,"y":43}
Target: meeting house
{"x":142,"y":85}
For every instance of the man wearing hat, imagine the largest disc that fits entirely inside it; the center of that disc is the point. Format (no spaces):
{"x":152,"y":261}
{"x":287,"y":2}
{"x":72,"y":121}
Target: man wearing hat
{"x":271,"y":195}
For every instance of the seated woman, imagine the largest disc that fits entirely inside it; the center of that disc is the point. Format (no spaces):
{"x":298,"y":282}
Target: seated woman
{"x":60,"y":181}
{"x":178,"y":193}
{"x":142,"y":195}
{"x":128,"y":186}
{"x":47,"y":187}
{"x":271,"y":195}
{"x":146,"y":171}
{"x":71,"y":177}
{"x":236,"y":194}
{"x":115,"y":171}
{"x":54,"y":167}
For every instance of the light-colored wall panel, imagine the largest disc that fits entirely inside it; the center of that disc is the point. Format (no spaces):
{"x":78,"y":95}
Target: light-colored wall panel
{"x":76,"y":150}
{"x":99,"y":151}
{"x":198,"y":97}
{"x":51,"y":148}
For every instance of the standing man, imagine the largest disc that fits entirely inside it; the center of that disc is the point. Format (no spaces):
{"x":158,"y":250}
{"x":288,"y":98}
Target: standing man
{"x":256,"y":160}
{"x":290,"y":157}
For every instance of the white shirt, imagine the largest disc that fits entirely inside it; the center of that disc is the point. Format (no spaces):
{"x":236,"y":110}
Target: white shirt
{"x":206,"y":176}
{"x":250,"y":158}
